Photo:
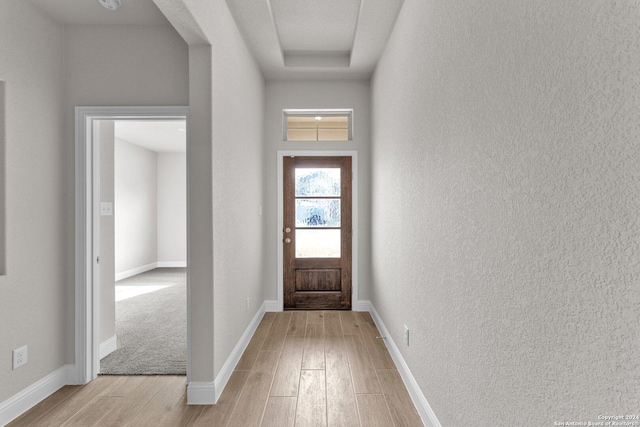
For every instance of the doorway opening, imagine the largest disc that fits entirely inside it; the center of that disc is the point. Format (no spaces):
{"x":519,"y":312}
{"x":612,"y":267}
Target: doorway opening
{"x":94,"y":211}
{"x":317,"y":229}
{"x":317,"y":223}
{"x":143,"y":252}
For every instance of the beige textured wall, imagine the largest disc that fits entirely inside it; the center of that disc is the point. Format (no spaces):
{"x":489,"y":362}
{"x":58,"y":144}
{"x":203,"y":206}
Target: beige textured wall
{"x":505,"y":207}
{"x":34,"y":294}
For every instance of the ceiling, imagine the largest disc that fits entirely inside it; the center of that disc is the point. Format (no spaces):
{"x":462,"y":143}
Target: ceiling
{"x":290,"y":39}
{"x":316,"y":38}
{"x":167,"y":136}
{"x":132,"y":12}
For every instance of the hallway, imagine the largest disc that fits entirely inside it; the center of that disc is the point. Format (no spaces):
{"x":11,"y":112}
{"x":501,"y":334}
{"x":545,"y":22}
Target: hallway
{"x":300,"y":368}
{"x":496,"y":222}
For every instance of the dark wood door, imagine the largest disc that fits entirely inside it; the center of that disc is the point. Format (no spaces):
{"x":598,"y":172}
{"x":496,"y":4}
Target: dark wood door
{"x":317,"y":233}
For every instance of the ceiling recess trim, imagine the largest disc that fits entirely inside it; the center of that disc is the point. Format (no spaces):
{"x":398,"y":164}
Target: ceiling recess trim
{"x":317,"y":59}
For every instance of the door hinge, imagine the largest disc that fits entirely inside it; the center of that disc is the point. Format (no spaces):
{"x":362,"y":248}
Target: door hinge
{"x":98,"y":260}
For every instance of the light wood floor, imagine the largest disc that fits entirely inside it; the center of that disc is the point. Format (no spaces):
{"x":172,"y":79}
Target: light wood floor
{"x":301,"y":368}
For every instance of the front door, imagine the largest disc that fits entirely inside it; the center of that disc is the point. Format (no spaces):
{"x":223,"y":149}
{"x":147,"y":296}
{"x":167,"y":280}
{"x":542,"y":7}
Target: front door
{"x":317,"y":233}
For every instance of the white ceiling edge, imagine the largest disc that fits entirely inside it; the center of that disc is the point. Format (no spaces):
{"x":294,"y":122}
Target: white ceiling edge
{"x":374,"y":26}
{"x":160,"y":136}
{"x":257,"y":26}
{"x":90,"y":12}
{"x":373,"y":33}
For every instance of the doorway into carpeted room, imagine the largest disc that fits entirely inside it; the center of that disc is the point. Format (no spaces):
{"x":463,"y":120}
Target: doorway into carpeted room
{"x":151,"y":325}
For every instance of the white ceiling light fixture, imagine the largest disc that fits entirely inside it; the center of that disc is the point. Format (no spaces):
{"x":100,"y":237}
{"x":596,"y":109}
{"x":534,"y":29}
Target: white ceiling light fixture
{"x":110,"y":4}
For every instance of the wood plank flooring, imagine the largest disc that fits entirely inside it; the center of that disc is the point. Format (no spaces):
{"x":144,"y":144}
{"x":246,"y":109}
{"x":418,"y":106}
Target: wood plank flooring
{"x":316,"y":368}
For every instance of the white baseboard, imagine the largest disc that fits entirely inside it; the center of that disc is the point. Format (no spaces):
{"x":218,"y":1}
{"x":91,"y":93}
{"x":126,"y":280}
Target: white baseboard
{"x":171,"y":264}
{"x":137,"y":270}
{"x":424,"y":409}
{"x":233,"y":359}
{"x":201,"y":393}
{"x":108,"y":346}
{"x":362,"y":305}
{"x":208,"y":393}
{"x":271,"y":305}
{"x":15,"y":406}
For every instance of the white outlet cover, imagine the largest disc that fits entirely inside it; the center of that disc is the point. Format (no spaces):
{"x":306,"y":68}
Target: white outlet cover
{"x":19,"y":357}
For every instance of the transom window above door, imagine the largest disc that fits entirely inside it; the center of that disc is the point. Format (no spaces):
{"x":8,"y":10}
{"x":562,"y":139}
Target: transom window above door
{"x":317,"y":125}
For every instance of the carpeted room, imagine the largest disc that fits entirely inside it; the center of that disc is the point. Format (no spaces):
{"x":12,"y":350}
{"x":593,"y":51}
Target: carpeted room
{"x":143,"y":245}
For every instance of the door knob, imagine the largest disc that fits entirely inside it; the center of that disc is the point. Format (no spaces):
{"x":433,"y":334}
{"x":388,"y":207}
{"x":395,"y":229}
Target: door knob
{"x":287,"y":230}
{"x":287,"y":240}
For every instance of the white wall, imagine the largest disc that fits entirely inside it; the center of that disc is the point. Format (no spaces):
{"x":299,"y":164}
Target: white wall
{"x":226,"y":132}
{"x":104,"y":133}
{"x":237,"y":167}
{"x":316,"y":95}
{"x":505,"y":206}
{"x":150,"y":209}
{"x":34,"y":294}
{"x":172,"y":209}
{"x":135,"y":207}
{"x":137,"y":65}
{"x":125,"y":65}
{"x":225,"y":158}
{"x":3,"y":224}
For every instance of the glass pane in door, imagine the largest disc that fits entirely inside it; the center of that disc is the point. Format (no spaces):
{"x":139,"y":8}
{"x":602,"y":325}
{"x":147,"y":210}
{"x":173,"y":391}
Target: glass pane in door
{"x":317,"y":182}
{"x":318,"y":243}
{"x":317,"y":212}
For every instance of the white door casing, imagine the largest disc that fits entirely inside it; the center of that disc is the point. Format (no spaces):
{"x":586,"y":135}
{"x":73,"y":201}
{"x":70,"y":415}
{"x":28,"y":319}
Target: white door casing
{"x":87,"y":230}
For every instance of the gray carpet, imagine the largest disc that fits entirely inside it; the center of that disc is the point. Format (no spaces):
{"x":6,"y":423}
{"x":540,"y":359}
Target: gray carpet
{"x":152,"y":327}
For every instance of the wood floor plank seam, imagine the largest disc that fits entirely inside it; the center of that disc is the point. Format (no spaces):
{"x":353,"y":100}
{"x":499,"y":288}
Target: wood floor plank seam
{"x":386,"y":399}
{"x":273,"y":377}
{"x":336,"y":387}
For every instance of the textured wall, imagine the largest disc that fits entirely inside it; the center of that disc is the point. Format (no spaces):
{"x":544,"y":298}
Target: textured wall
{"x":172,"y":207}
{"x":238,"y":149}
{"x":104,"y":133}
{"x":115,"y":65}
{"x":136,"y":206}
{"x":505,"y":207}
{"x":125,"y":65}
{"x":33,"y":294}
{"x":316,"y":94}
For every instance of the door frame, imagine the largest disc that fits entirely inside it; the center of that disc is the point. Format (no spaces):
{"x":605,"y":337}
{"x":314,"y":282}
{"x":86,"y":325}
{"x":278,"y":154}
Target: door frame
{"x":354,"y":212}
{"x":87,"y":230}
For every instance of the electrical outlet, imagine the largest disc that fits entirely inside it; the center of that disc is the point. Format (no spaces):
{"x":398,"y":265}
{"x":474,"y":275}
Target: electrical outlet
{"x":247,"y":306}
{"x":19,"y":357}
{"x":406,"y":334}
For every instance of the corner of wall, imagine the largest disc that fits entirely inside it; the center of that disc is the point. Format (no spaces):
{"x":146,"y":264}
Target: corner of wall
{"x":208,"y":393}
{"x":424,"y":409}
